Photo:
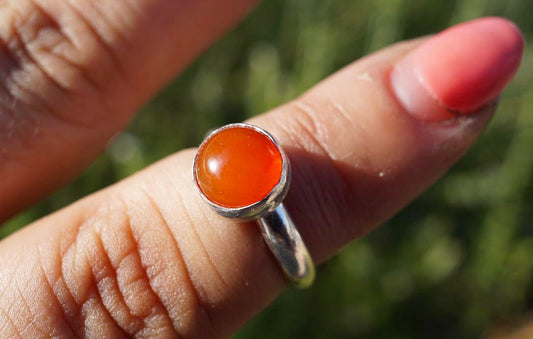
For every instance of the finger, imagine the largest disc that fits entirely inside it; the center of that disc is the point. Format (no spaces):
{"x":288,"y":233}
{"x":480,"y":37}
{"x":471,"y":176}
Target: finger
{"x":147,"y":256}
{"x":74,"y":72}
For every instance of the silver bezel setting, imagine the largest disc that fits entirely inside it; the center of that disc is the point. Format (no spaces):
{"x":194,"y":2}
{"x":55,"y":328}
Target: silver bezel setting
{"x":262,"y":207}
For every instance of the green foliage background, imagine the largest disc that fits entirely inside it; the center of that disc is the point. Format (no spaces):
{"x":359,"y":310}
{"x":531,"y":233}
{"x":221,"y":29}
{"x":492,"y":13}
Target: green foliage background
{"x":456,"y":261}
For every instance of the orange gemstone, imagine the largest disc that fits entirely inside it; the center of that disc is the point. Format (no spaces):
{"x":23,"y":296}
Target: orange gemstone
{"x":238,"y":167}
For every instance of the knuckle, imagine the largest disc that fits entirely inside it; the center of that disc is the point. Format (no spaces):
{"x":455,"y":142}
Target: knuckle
{"x":326,"y":183}
{"x":132,"y":276}
{"x":53,"y":60}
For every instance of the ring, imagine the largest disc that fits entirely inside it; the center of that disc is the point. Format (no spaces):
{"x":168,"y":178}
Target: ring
{"x":242,"y":172}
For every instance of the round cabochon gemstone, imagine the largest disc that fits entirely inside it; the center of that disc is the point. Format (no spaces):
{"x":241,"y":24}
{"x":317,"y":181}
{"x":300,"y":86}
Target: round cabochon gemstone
{"x":237,"y":167}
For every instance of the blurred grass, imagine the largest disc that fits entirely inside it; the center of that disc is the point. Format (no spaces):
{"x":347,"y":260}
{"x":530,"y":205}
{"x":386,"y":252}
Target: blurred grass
{"x":452,"y":264}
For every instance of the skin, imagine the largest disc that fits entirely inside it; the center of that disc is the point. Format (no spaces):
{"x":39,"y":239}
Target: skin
{"x":146,"y":256}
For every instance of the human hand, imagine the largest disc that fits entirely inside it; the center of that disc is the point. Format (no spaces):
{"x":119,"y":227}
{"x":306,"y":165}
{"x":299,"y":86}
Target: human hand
{"x":146,"y":254}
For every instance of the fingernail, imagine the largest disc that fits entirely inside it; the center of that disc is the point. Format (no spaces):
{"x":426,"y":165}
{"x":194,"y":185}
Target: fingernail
{"x":459,"y":70}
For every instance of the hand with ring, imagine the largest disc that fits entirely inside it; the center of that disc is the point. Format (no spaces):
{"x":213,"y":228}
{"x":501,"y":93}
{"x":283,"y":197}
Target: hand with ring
{"x":198,"y":243}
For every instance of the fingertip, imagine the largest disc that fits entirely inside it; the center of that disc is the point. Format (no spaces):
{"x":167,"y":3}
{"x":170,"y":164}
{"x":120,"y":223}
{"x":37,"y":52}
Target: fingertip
{"x":460,"y":70}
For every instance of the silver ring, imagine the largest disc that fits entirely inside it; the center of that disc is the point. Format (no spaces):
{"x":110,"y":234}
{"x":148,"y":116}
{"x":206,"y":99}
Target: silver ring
{"x":234,"y":187}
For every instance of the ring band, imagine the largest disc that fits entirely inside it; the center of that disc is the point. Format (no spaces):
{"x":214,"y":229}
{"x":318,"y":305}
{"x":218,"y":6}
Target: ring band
{"x":241,"y":172}
{"x":287,"y":245}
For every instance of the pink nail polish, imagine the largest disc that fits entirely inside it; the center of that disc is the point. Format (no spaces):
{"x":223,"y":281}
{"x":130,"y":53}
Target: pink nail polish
{"x":459,"y":70}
